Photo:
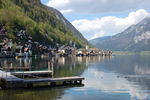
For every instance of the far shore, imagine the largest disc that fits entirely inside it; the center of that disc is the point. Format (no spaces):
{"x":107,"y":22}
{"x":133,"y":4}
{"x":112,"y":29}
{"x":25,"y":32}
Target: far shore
{"x":131,"y":53}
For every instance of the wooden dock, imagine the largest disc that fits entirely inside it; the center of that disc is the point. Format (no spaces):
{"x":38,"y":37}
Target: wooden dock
{"x":53,"y":81}
{"x":7,"y":80}
{"x":31,"y":72}
{"x":15,"y":68}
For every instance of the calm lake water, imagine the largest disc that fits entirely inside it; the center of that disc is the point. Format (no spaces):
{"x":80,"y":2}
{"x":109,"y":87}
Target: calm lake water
{"x":106,"y":78}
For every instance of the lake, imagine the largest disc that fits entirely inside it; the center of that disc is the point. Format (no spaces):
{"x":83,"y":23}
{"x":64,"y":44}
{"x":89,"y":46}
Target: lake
{"x":106,"y":78}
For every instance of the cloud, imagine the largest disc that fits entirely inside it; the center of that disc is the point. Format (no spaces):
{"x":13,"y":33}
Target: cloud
{"x":109,"y":25}
{"x":98,"y":6}
{"x":66,"y":11}
{"x":104,"y":26}
{"x":109,"y":82}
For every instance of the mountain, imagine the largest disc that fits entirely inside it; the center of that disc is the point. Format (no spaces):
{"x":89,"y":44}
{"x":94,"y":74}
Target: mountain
{"x":74,"y":31}
{"x":134,"y":38}
{"x":96,"y":41}
{"x":33,"y":19}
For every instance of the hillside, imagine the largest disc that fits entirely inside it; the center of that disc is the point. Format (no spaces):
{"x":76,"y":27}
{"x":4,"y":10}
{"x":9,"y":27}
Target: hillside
{"x":96,"y":41}
{"x":134,"y":38}
{"x":74,"y":31}
{"x":30,"y":18}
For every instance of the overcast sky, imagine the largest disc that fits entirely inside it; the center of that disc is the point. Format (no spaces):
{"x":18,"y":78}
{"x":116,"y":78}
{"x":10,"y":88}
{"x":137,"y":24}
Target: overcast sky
{"x":98,"y":18}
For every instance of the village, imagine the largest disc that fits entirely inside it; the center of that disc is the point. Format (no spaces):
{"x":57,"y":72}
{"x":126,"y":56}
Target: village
{"x":9,"y":49}
{"x":26,"y":47}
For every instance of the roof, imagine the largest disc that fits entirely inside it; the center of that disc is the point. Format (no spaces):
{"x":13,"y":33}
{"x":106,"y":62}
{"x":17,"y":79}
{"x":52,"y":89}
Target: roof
{"x":19,"y":47}
{"x":2,"y":32}
{"x":95,"y":49}
{"x":1,"y":43}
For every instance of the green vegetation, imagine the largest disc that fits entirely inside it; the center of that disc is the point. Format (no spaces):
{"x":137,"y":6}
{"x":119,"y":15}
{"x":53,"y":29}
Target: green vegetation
{"x":35,"y":20}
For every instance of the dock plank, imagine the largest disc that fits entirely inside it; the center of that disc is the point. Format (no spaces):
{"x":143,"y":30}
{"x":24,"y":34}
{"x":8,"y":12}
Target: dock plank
{"x":15,"y":68}
{"x":8,"y":76}
{"x":54,"y":79}
{"x":67,"y":78}
{"x":10,"y":81}
{"x":30,"y":72}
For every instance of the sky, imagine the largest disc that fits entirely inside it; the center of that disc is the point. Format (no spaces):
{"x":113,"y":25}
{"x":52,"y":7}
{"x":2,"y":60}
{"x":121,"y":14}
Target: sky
{"x":98,"y":18}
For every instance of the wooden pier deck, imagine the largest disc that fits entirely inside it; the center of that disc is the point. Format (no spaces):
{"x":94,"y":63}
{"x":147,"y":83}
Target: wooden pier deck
{"x":31,"y":72}
{"x":15,"y":68}
{"x":62,"y":79}
{"x":7,"y":80}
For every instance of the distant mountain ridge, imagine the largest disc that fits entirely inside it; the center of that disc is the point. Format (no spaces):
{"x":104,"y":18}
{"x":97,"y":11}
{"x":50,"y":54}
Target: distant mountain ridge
{"x":96,"y":41}
{"x":134,"y":38}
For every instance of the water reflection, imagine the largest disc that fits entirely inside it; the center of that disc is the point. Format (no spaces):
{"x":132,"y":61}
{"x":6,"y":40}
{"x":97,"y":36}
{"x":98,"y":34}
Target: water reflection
{"x":111,"y":83}
{"x":47,"y":94}
{"x":109,"y":77}
{"x":106,"y":78}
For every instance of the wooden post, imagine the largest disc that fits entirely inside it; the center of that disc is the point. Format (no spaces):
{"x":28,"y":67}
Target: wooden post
{"x":80,"y":81}
{"x":75,"y":82}
{"x":64,"y":83}
{"x":53,"y":83}
{"x":29,"y":85}
{"x":50,"y":67}
{"x":71,"y":82}
{"x":3,"y":83}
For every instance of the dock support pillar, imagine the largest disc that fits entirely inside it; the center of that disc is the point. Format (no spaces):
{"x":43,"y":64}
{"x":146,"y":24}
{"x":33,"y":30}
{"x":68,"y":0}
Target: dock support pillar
{"x":53,"y":83}
{"x":3,"y":83}
{"x":30,"y":85}
{"x":64,"y":83}
{"x":80,"y":81}
{"x":75,"y":82}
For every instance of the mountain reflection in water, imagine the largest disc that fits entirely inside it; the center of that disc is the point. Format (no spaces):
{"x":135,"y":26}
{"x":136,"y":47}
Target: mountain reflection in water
{"x":106,"y":78}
